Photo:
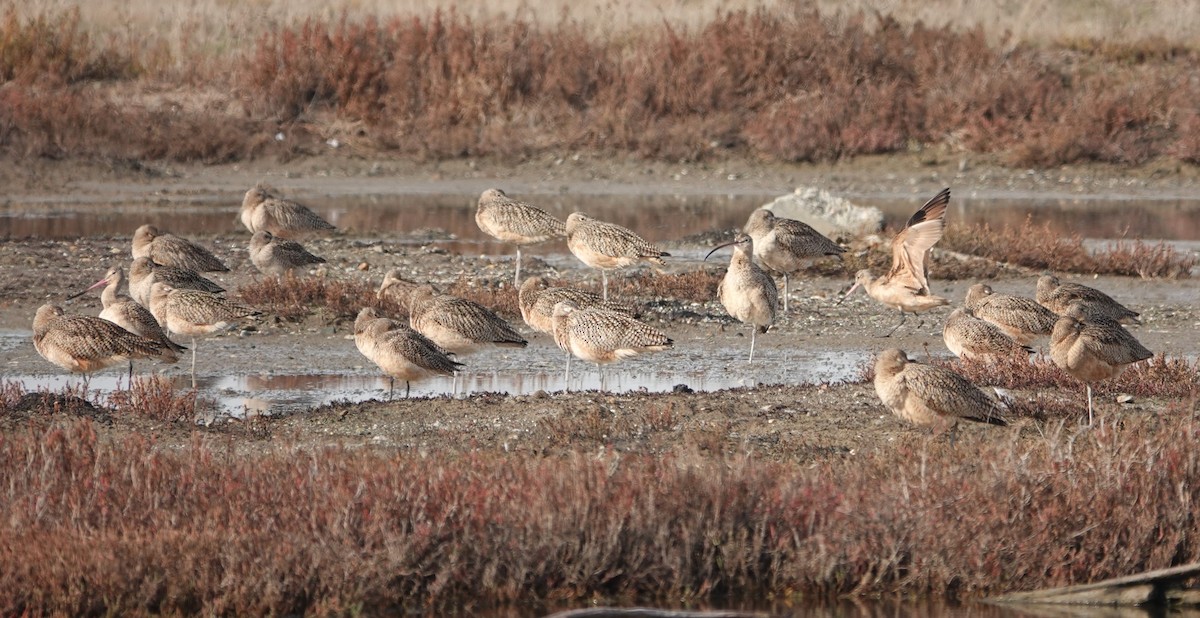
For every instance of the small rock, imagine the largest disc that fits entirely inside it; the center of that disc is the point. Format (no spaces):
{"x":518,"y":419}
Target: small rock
{"x":363,"y":266}
{"x":1124,"y":398}
{"x":682,"y":388}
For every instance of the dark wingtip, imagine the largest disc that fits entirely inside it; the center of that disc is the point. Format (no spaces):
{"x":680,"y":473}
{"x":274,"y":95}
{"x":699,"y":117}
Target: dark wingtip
{"x":932,"y":209}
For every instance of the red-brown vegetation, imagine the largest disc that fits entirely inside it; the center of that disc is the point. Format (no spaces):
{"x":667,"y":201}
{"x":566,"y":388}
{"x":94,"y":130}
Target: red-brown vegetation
{"x":294,"y":298}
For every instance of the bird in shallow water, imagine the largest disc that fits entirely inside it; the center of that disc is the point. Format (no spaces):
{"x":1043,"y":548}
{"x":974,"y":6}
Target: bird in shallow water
{"x":746,"y":291}
{"x":786,"y":245}
{"x":516,"y":223}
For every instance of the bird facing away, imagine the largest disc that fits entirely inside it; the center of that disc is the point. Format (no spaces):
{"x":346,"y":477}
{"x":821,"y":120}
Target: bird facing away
{"x":195,"y":313}
{"x":906,"y":286}
{"x":278,"y":256}
{"x":786,"y":245}
{"x":607,"y":246}
{"x":537,"y":300}
{"x":930,"y":396}
{"x":171,"y":250}
{"x":970,"y":337}
{"x":144,"y":273}
{"x":399,"y":351}
{"x":457,"y":324}
{"x":515,"y":223}
{"x":83,"y":344}
{"x":603,"y":336}
{"x":124,"y":312}
{"x":1057,"y":296}
{"x":747,"y":292}
{"x":1019,"y":317}
{"x":1093,"y":349}
{"x":262,"y":211}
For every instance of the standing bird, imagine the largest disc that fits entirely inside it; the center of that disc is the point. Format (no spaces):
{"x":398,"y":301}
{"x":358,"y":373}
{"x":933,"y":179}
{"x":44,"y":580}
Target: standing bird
{"x":171,"y":250}
{"x":1058,"y":297}
{"x":1092,"y":348}
{"x":603,"y":336}
{"x":457,"y":324}
{"x":83,"y":344}
{"x":124,"y":312}
{"x":1019,"y":317}
{"x":970,"y":337}
{"x":906,"y":286}
{"x":399,"y":351}
{"x":144,"y":273}
{"x":272,"y":255}
{"x":786,"y":245}
{"x":262,"y":211}
{"x":192,"y":313}
{"x":930,"y":396}
{"x":746,"y":292}
{"x":537,"y":300}
{"x":516,"y":223}
{"x":607,"y":246}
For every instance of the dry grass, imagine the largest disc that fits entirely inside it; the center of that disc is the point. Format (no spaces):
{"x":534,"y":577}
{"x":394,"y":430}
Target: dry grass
{"x":119,"y":526}
{"x":295,"y":298}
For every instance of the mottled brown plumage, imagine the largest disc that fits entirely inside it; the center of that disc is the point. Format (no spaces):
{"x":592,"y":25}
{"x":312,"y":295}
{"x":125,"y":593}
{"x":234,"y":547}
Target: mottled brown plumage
{"x":1093,"y":349}
{"x":607,"y":246}
{"x":516,"y":223}
{"x":906,"y":286}
{"x":602,"y":336}
{"x":264,"y":211}
{"x":1057,"y":296}
{"x":1019,"y":317}
{"x":970,"y":337}
{"x":278,"y":256}
{"x":144,"y":273}
{"x":930,"y":396}
{"x":457,"y":324}
{"x":537,"y":300}
{"x":83,"y":344}
{"x":398,"y":350}
{"x":746,"y":291}
{"x":124,"y":312}
{"x":195,"y":313}
{"x":785,"y":245}
{"x":171,"y":250}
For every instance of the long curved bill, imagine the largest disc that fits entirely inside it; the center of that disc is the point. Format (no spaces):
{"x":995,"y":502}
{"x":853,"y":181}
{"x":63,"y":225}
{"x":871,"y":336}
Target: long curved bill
{"x":718,"y":247}
{"x":100,"y":283}
{"x":847,"y":294}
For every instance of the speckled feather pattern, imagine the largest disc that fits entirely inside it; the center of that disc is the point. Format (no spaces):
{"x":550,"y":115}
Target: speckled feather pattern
{"x":144,"y":273}
{"x":518,"y":223}
{"x":1058,"y":297}
{"x":458,"y":324}
{"x":398,"y":350}
{"x":80,"y":343}
{"x":1021,"y":318}
{"x":970,"y":337}
{"x":171,"y":250}
{"x":278,"y":256}
{"x":929,"y":396}
{"x":264,"y":211}
{"x":537,"y":300}
{"x":604,"y":336}
{"x":607,"y":245}
{"x":192,"y":312}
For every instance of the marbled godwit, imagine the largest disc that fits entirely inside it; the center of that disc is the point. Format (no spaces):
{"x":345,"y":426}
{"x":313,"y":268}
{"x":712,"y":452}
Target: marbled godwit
{"x":602,"y":336}
{"x":278,"y":256}
{"x":1058,"y":297}
{"x":906,"y":286}
{"x":262,"y":211}
{"x":746,"y":292}
{"x":970,"y":337}
{"x":171,"y":250}
{"x":515,"y":223}
{"x":144,"y":273}
{"x":83,"y":344}
{"x":124,"y":312}
{"x":537,"y":300}
{"x":457,"y":324}
{"x":1019,"y":317}
{"x":193,"y":313}
{"x":786,"y":245}
{"x":399,"y":351}
{"x":930,"y":396}
{"x":607,"y":246}
{"x":1093,"y":348}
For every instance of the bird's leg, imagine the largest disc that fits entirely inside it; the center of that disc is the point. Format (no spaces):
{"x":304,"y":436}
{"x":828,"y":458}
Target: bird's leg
{"x":604,"y":283}
{"x":131,"y":374}
{"x":517,"y":277}
{"x":391,"y":386}
{"x":1089,"y":394}
{"x":903,"y":316}
{"x":407,"y":388}
{"x":786,"y":292}
{"x":753,"y":331}
{"x":193,"y":363}
{"x":567,"y":378}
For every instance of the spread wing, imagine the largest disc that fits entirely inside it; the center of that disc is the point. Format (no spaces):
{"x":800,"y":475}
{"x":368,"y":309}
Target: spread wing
{"x":910,"y":248}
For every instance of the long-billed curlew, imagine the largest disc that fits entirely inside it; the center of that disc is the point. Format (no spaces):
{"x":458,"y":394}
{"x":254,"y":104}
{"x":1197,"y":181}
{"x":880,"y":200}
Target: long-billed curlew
{"x":263,"y":211}
{"x":144,"y":273}
{"x":930,"y":396}
{"x":906,"y":286}
{"x":786,"y":245}
{"x":194,"y":313}
{"x":1019,"y":317}
{"x":607,"y":246}
{"x":1092,"y":348}
{"x":603,"y":336}
{"x":970,"y":337}
{"x":83,"y":344}
{"x":278,"y":256}
{"x":457,"y":324}
{"x":124,"y":312}
{"x":537,"y":300}
{"x":1057,"y":296}
{"x":747,"y":292}
{"x":399,"y":351}
{"x":171,"y":250}
{"x":515,"y":223}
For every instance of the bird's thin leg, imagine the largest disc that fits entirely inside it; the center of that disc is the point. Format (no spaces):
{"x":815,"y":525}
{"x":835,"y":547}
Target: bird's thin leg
{"x":131,"y":374}
{"x":517,"y":277}
{"x":786,"y":292}
{"x":903,"y":316}
{"x":753,"y":331}
{"x":567,"y":378}
{"x":604,"y":283}
{"x":391,"y":386}
{"x":1089,"y":394}
{"x":407,"y":388}
{"x":193,"y":363}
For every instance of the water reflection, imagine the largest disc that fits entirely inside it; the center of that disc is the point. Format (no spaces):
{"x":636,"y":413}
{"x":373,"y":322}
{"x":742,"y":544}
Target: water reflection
{"x":657,"y":217}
